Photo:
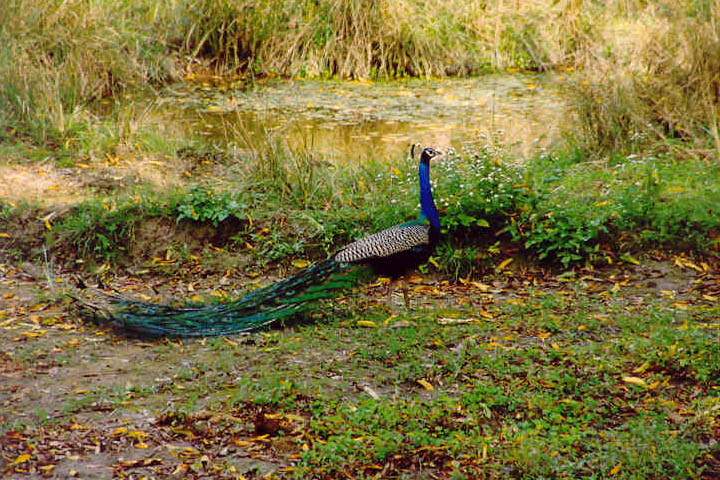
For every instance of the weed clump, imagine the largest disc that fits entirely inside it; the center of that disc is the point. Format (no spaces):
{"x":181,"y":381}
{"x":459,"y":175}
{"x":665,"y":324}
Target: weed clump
{"x":578,"y":210}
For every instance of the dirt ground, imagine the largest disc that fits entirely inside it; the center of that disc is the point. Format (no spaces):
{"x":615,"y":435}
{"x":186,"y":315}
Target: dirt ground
{"x":79,"y":400}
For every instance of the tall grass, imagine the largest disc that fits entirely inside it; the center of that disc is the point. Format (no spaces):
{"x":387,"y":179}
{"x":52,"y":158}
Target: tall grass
{"x":383,"y":38}
{"x":651,"y":79}
{"x":59,"y":56}
{"x":648,"y":73}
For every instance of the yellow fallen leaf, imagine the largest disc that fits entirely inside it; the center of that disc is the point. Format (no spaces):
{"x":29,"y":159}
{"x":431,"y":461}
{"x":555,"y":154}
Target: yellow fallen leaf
{"x":188,"y":452}
{"x":300,"y":263}
{"x":504,"y":264}
{"x":480,"y":286}
{"x":120,"y":431}
{"x":426,"y":385}
{"x":34,"y":334}
{"x":693,"y":266}
{"x":616,"y":469}
{"x":642,"y":368}
{"x":455,"y":321}
{"x":635,"y":381}
{"x":366,"y":323}
{"x":710,"y":298}
{"x":137,"y":435}
{"x":22,"y":458}
{"x":380,"y":282}
{"x":630,"y":259}
{"x":5,"y":235}
{"x":685,"y":263}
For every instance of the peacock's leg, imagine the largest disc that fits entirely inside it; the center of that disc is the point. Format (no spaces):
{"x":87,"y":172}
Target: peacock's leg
{"x":406,"y":295}
{"x":390,"y":288}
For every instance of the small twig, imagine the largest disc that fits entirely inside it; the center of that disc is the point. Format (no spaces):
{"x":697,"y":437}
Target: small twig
{"x":48,"y":271}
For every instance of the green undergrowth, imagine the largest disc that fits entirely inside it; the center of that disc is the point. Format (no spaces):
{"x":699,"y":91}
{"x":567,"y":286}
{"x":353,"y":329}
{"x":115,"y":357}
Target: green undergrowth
{"x":559,"y":208}
{"x":538,"y":409}
{"x":577,"y":210}
{"x":577,"y":381}
{"x":554,"y":385}
{"x":502,"y":398}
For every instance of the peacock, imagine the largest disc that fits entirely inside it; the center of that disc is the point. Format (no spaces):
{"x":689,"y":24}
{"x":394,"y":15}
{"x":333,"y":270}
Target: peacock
{"x":390,"y":252}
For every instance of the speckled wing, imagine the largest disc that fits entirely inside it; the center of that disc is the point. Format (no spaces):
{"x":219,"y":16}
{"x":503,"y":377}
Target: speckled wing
{"x":385,"y":243}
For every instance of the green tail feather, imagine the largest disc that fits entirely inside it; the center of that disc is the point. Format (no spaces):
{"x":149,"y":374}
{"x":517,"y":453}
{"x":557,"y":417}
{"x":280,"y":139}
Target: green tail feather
{"x":255,"y":310}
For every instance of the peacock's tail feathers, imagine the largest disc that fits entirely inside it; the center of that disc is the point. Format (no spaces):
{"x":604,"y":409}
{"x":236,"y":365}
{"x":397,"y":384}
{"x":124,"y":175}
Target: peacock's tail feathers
{"x":250,"y":312}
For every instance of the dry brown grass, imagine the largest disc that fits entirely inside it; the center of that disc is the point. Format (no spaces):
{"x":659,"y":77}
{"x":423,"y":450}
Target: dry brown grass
{"x":359,"y":39}
{"x":648,"y":70}
{"x":57,"y":56}
{"x":652,"y":78}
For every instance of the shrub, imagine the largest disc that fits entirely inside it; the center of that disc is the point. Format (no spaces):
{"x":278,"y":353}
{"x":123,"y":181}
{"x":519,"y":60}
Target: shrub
{"x":201,"y":204}
{"x":99,"y":229}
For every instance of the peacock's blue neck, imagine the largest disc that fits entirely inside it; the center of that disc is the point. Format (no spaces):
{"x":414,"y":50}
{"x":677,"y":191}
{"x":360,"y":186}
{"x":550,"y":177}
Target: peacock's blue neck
{"x":427,"y":204}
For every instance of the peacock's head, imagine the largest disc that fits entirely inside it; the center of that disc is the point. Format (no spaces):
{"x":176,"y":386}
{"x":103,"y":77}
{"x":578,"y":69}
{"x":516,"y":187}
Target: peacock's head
{"x":427,"y":154}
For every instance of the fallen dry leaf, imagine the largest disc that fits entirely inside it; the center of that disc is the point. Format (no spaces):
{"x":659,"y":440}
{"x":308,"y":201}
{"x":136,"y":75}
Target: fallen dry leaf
{"x":426,"y":385}
{"x":635,"y":381}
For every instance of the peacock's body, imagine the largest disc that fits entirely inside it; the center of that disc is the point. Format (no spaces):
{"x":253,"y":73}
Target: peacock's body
{"x":389,"y":252}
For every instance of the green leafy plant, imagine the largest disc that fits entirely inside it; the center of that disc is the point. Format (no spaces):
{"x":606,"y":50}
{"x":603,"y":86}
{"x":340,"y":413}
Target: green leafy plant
{"x":201,"y":204}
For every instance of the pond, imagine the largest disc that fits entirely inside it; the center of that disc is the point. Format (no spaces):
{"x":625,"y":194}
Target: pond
{"x":339,"y":122}
{"x":343,"y":121}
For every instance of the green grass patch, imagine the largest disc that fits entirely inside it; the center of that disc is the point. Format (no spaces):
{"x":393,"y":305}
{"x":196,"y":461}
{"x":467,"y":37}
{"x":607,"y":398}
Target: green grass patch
{"x":507,"y":395}
{"x":560,"y":208}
